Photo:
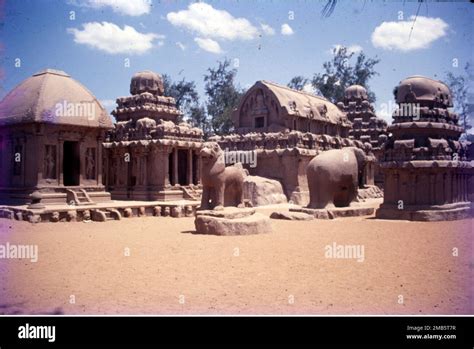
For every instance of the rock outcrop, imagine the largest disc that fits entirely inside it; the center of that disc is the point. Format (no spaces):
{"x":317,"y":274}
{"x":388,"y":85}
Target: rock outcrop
{"x":260,"y":191}
{"x":232,"y":221}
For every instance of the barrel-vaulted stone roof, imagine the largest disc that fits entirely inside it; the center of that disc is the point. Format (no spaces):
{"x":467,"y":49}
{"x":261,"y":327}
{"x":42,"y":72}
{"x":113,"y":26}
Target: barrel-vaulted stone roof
{"x":303,"y":104}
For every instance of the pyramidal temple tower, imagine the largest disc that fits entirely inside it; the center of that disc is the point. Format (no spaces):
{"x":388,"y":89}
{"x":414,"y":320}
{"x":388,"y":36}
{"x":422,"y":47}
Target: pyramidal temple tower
{"x":427,"y":173}
{"x":151,"y":155}
{"x":366,"y":126}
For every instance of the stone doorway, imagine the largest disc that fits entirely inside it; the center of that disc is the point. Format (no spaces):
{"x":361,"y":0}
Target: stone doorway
{"x":178,"y":167}
{"x":182,"y":166}
{"x":71,"y":163}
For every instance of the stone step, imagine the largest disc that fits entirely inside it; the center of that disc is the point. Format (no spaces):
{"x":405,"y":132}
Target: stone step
{"x":80,"y":197}
{"x":192,"y":194}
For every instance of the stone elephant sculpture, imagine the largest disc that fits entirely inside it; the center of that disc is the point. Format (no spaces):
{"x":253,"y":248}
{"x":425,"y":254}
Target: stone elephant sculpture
{"x":333,"y":177}
{"x":221,"y":185}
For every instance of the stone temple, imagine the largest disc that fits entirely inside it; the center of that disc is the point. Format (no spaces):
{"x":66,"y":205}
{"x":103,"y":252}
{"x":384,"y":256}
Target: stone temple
{"x":427,"y":172}
{"x":51,"y":134}
{"x":151,"y":155}
{"x":269,"y":107}
{"x":287,"y":128}
{"x":366,"y":126}
{"x":62,"y":158}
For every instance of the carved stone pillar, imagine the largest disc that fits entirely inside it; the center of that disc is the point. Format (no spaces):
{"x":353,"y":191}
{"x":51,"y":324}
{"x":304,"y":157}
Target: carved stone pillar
{"x":143,"y":170}
{"x":60,"y":161}
{"x":105,"y":170}
{"x":153,"y":167}
{"x":175,"y":166}
{"x":198,"y":168}
{"x":466,"y":187}
{"x":123,"y":167}
{"x":99,"y":161}
{"x":114,"y":173}
{"x":168,"y":174}
{"x":82,"y":161}
{"x":396,"y":187}
{"x":165,"y":154}
{"x":432,"y":189}
{"x":369,"y":173}
{"x":7,"y":161}
{"x":454,"y":185}
{"x":448,"y":184}
{"x":439,"y":189}
{"x":39,"y":160}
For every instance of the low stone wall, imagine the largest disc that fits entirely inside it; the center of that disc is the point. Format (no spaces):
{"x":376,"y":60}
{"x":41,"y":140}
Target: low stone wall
{"x":101,"y":213}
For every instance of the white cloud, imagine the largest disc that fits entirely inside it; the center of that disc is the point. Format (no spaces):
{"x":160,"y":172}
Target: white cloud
{"x":124,"y":7}
{"x":286,"y":29}
{"x":108,"y":104}
{"x":208,"y":22}
{"x":386,"y":109}
{"x":267,"y":30}
{"x":208,"y":45}
{"x":110,"y":38}
{"x":350,"y":49}
{"x":396,"y":35}
{"x":308,"y":88}
{"x":181,"y":45}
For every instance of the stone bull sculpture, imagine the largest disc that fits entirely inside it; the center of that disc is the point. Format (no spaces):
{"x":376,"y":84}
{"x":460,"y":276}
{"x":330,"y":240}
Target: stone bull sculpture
{"x":333,"y":177}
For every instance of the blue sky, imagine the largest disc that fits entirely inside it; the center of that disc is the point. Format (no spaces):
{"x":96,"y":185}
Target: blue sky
{"x":272,"y":40}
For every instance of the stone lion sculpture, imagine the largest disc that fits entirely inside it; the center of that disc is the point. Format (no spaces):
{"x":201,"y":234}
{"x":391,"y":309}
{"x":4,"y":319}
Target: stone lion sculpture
{"x":222,"y":186}
{"x":333,"y":177}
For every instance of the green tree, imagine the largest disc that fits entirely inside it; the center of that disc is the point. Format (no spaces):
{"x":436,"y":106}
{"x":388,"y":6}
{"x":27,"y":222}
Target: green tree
{"x":187,"y":100}
{"x":198,"y":118}
{"x":340,"y":72}
{"x":459,"y":86}
{"x":298,"y":83}
{"x":222,"y":96}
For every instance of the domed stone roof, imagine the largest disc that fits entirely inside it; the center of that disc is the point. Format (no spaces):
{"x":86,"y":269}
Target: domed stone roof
{"x":52,"y":96}
{"x":146,"y":81}
{"x":423,"y":90}
{"x":355,"y":92}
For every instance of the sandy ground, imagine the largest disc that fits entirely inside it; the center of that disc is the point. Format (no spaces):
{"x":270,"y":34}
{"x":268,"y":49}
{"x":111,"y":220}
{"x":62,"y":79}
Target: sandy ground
{"x":170,"y":270}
